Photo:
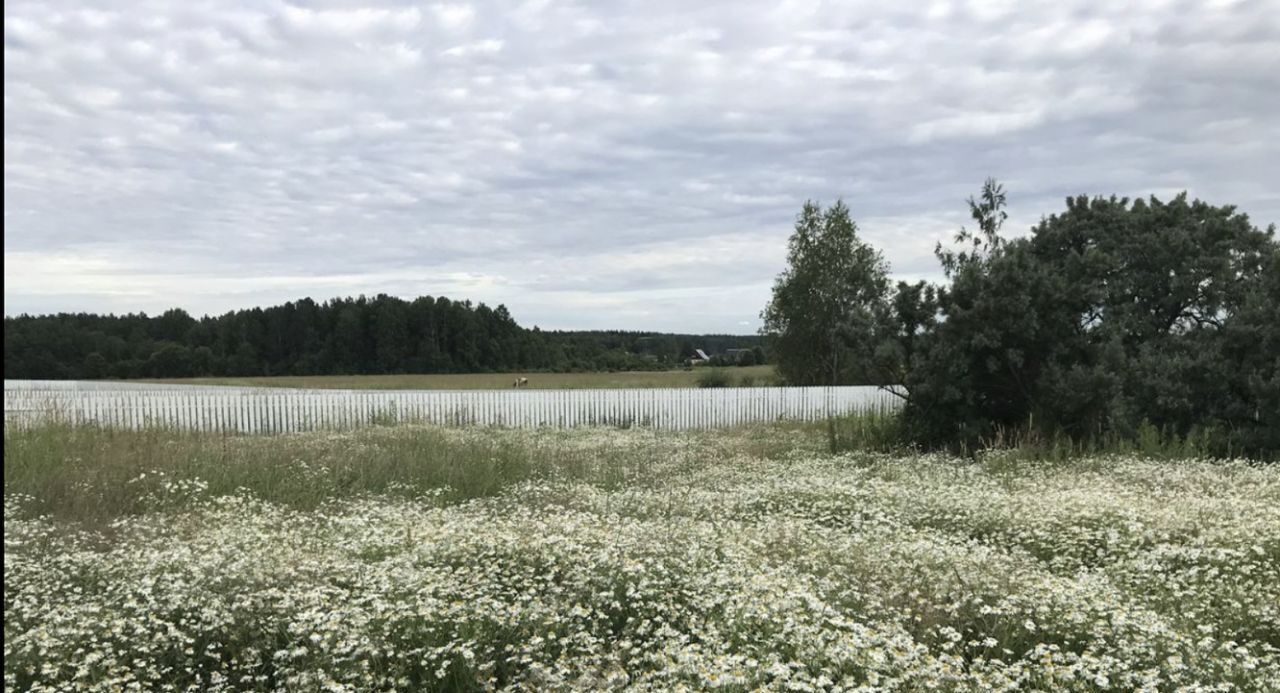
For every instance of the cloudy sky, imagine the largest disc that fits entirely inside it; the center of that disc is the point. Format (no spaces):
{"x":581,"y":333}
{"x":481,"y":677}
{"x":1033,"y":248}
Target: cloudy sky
{"x":629,"y":165}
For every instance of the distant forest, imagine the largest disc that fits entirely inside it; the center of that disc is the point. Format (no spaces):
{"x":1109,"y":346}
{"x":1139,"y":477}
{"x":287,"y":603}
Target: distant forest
{"x":345,"y":336}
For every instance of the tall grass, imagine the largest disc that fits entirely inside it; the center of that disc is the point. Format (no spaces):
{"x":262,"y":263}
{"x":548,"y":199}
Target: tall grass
{"x":88,"y":473}
{"x":1148,"y":441}
{"x":873,"y":430}
{"x":884,"y":431}
{"x":92,"y":474}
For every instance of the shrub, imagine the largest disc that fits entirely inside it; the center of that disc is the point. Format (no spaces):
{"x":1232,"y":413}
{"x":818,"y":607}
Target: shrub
{"x":713,"y":377}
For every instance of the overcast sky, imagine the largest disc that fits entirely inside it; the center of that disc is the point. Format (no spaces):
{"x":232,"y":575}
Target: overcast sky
{"x":591,"y":165}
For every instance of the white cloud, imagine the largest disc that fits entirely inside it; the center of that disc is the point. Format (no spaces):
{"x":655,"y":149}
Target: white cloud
{"x":453,"y":16}
{"x":485,"y":47}
{"x":350,"y":22}
{"x":588,"y":167}
{"x":976,"y":123}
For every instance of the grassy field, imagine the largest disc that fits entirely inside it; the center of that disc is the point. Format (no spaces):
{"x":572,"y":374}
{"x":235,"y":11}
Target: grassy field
{"x":760,"y":375}
{"x":412,"y":558}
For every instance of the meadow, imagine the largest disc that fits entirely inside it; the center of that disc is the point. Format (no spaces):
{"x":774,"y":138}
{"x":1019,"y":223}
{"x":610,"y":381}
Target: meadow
{"x":755,"y":375}
{"x":429,"y":558}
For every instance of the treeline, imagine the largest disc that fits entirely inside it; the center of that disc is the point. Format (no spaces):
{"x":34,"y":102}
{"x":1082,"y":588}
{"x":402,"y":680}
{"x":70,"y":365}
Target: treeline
{"x":344,"y":336}
{"x":1113,"y":319}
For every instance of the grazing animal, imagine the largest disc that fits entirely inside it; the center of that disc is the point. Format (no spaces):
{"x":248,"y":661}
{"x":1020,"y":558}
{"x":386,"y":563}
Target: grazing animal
{"x":521,"y":382}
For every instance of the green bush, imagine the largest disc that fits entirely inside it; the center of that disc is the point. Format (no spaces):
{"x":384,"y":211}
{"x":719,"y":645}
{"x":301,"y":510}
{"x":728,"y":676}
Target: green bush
{"x":713,"y":377}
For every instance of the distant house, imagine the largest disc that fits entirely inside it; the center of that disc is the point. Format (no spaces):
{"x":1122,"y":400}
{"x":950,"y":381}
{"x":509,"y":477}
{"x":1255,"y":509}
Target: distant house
{"x":699,"y":356}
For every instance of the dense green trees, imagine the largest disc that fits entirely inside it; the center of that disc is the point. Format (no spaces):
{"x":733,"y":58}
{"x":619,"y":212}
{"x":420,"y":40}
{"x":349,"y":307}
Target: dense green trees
{"x":382,"y":334}
{"x":1111,"y":316}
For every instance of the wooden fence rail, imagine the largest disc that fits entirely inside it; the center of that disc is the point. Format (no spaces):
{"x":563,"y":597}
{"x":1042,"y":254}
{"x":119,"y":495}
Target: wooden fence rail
{"x":280,"y":410}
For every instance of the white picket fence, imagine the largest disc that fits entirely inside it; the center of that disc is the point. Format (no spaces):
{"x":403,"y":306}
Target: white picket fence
{"x":281,"y":410}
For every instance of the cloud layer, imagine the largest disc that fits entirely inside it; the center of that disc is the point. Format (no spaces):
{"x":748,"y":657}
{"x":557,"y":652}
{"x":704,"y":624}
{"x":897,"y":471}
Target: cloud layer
{"x":628,"y":165}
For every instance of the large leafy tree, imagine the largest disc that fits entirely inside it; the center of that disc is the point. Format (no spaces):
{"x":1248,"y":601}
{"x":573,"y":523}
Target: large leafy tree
{"x":1110,"y":315}
{"x":825,"y":303}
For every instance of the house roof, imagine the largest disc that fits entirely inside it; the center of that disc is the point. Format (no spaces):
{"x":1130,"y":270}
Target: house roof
{"x":702,"y":355}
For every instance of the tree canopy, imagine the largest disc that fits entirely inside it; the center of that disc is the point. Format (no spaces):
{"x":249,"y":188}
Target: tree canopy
{"x":346,"y":336}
